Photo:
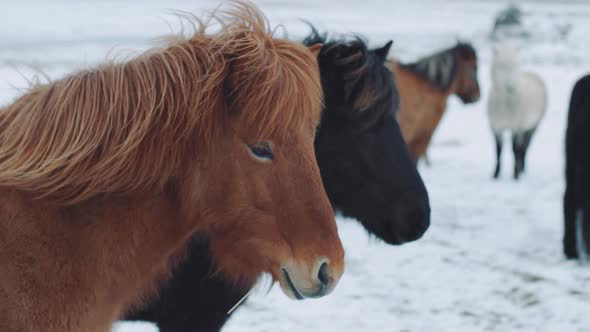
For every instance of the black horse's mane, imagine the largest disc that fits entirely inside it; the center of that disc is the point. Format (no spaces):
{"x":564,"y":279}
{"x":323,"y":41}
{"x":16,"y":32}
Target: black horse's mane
{"x":366,"y":81}
{"x":350,"y":53}
{"x":440,"y":68}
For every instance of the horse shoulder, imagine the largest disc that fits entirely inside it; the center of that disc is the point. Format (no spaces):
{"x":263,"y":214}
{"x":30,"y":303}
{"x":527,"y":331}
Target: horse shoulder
{"x":39,"y":262}
{"x":533,"y":93}
{"x":533,"y":80}
{"x":27,"y":242}
{"x":492,"y":104}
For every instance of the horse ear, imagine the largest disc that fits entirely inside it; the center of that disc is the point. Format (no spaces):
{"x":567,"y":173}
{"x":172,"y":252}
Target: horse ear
{"x":315,"y":49}
{"x":383,"y":51}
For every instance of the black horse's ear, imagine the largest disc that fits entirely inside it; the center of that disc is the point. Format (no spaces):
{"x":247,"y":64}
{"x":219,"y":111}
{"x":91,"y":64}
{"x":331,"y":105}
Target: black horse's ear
{"x":383,"y":51}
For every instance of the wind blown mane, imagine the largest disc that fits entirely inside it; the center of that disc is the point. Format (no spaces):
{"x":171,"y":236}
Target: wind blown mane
{"x":440,"y":68}
{"x":124,"y":127}
{"x":351,"y":58}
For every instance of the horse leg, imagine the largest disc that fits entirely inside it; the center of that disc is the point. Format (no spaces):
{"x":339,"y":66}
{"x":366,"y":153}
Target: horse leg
{"x":569,"y":214}
{"x":582,"y":236}
{"x":412,"y":146}
{"x":518,"y":150}
{"x":420,"y":145}
{"x":527,"y":137}
{"x":498,"y":138}
{"x":583,"y":216}
{"x":426,"y":159}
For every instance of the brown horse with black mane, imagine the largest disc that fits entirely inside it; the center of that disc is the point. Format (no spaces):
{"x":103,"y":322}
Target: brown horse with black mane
{"x":425,"y":86}
{"x":106,"y":173}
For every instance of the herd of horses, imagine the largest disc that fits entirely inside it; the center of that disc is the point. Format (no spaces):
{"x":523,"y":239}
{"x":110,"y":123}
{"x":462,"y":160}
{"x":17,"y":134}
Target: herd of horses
{"x":161,"y":188}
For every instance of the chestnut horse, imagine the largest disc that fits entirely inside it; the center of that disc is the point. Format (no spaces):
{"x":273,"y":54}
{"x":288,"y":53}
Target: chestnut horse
{"x":365,"y":166}
{"x":107,"y":173}
{"x":425,"y":86}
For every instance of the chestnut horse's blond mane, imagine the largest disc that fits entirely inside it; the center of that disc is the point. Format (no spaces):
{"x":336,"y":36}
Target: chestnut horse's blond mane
{"x":126,"y":127}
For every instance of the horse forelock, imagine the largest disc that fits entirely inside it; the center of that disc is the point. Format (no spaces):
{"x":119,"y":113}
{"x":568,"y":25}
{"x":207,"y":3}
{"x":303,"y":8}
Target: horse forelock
{"x":353,"y":64}
{"x":125,"y":127}
{"x":357,"y":66}
{"x":277,"y":91}
{"x":378,"y":86}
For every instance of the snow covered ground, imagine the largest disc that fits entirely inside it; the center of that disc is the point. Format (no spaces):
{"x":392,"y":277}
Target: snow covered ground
{"x":491,"y":260}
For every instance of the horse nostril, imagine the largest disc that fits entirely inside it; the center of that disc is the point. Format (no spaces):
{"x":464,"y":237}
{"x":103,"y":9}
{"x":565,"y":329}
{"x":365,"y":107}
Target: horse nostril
{"x":324,"y":274}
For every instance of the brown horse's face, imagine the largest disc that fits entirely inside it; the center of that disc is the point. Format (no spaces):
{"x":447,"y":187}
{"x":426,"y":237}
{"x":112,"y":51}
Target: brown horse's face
{"x":467,"y":84}
{"x":268,"y":212}
{"x":261,"y":198}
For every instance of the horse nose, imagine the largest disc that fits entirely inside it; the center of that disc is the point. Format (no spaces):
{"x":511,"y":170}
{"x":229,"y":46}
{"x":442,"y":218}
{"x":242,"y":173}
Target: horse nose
{"x":412,"y":222}
{"x":419,"y":217}
{"x":324,"y":277}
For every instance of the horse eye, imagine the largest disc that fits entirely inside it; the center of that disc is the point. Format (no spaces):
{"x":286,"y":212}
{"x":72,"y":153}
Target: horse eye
{"x":261,"y":151}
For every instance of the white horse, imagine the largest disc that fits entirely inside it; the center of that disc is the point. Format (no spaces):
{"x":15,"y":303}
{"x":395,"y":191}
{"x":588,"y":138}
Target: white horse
{"x":517,"y":104}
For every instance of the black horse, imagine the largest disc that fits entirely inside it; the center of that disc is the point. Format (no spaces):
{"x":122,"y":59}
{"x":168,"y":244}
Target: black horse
{"x":365,"y":166}
{"x":576,"y":202}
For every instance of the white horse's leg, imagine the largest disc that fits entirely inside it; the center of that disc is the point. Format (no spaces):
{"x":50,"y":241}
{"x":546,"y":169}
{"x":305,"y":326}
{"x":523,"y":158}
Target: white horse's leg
{"x":528,"y":135}
{"x":520,"y":144}
{"x":517,"y":139}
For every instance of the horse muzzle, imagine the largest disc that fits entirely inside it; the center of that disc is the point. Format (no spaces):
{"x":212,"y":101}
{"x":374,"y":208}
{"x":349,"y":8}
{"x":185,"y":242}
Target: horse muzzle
{"x":299,"y":282}
{"x":470,"y":98}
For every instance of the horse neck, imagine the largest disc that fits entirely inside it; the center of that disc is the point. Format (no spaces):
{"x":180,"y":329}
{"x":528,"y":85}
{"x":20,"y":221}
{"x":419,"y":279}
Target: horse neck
{"x":421,"y":103}
{"x":420,"y":88}
{"x":143,"y":237}
{"x":427,"y":85}
{"x":151,"y":223}
{"x":114,"y":249}
{"x":503,"y":73}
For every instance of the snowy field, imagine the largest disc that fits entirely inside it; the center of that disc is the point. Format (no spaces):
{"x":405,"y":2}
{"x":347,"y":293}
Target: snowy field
{"x":491,"y":260}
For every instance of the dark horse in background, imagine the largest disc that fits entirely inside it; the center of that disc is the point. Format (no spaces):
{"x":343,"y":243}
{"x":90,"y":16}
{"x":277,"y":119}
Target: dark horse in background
{"x":366,"y":169}
{"x":576,"y":241}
